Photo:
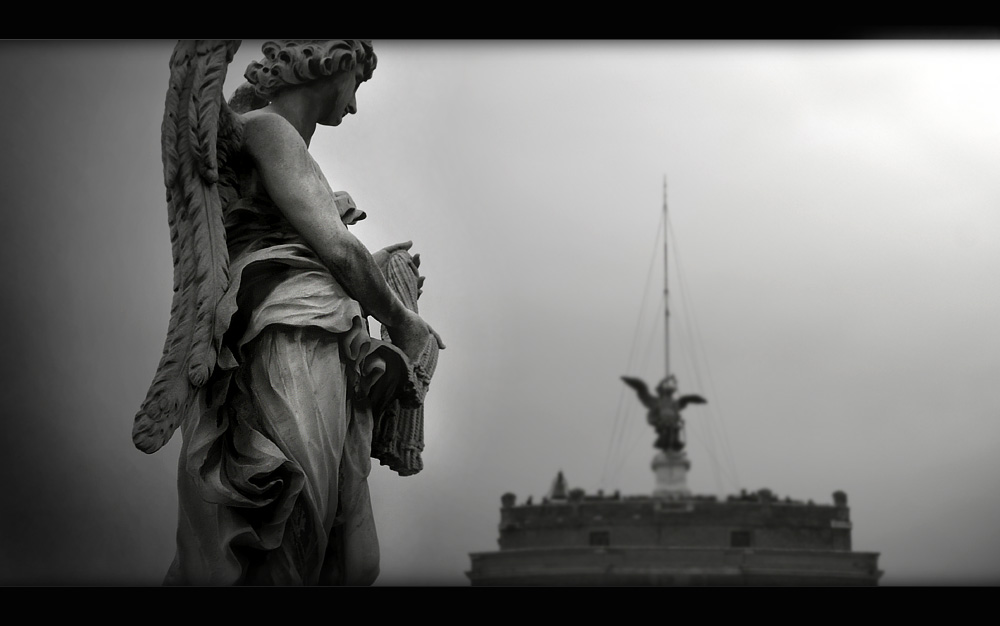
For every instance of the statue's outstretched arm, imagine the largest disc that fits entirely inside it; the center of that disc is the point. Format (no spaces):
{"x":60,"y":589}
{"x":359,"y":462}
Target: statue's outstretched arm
{"x":297,"y":186}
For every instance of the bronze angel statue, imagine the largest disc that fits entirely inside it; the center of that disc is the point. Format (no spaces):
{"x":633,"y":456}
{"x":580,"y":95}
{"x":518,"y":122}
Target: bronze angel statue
{"x":665,"y":411}
{"x":281,"y":395}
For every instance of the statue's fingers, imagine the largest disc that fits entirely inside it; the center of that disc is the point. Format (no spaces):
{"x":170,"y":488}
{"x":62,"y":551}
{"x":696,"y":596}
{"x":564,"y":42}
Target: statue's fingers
{"x":406,"y":245}
{"x":413,"y":268}
{"x":416,"y":259}
{"x":420,"y":282}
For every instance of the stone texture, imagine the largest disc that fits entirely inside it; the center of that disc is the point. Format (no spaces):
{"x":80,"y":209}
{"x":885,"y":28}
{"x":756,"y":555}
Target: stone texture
{"x":643,"y":540}
{"x":670,"y":469}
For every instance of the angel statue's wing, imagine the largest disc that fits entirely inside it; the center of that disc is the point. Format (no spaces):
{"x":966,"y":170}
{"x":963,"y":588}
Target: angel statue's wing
{"x":640,"y":387}
{"x":199,"y":132}
{"x":683,"y":401}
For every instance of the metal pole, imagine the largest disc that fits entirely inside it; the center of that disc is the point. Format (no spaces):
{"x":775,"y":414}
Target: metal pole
{"x":666,"y":290}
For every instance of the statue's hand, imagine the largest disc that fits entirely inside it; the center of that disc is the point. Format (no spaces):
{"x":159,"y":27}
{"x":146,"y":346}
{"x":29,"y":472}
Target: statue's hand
{"x":382,"y":256}
{"x":412,"y":334}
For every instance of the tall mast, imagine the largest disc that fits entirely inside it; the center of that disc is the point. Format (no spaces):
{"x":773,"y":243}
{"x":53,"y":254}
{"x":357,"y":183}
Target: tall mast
{"x":666,"y":290}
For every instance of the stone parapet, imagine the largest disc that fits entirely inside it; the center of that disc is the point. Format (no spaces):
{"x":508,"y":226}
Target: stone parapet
{"x":655,"y":566}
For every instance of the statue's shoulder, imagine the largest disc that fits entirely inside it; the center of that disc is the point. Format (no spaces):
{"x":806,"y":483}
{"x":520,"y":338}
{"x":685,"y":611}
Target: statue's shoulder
{"x":268,"y":134}
{"x":267,"y":123}
{"x":260,"y":118}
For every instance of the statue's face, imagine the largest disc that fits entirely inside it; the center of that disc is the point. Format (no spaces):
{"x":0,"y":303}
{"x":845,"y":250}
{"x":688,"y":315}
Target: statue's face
{"x":341,"y":90}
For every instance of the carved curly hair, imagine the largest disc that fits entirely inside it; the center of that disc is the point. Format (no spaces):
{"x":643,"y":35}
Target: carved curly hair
{"x":297,"y":61}
{"x":292,"y":62}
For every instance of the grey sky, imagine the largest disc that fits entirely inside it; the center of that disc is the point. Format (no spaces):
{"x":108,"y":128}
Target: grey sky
{"x":835,"y":210}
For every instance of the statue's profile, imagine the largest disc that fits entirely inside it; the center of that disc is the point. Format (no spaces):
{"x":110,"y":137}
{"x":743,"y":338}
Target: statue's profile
{"x":664,"y":411}
{"x":281,"y":394}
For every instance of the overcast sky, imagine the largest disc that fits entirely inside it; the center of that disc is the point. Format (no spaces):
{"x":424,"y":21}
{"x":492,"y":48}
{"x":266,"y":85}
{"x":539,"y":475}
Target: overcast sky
{"x":835,"y":258}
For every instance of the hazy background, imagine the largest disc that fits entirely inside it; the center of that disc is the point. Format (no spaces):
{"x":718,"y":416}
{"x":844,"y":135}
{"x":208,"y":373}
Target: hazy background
{"x":836,"y":215}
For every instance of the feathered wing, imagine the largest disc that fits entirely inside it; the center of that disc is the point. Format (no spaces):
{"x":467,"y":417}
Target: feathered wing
{"x":199,"y":132}
{"x":683,"y":401}
{"x":640,"y":387}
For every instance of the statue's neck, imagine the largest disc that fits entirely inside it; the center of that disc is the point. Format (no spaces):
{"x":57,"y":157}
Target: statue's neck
{"x":300,"y":112}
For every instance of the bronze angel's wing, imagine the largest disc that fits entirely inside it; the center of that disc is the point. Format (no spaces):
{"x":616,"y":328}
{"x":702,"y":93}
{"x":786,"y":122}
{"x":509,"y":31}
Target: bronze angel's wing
{"x":199,"y":132}
{"x":640,"y":387}
{"x":683,"y":401}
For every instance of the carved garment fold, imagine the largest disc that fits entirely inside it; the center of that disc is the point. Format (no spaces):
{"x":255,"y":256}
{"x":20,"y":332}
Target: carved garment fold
{"x":273,"y":481}
{"x":273,"y":488}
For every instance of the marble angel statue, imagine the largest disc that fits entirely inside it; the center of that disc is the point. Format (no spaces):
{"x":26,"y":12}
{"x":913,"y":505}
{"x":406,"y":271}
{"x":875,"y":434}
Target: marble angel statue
{"x":281,"y":395}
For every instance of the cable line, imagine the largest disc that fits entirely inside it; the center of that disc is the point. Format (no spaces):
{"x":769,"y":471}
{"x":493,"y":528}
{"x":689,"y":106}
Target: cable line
{"x":619,"y":424}
{"x":699,"y":351}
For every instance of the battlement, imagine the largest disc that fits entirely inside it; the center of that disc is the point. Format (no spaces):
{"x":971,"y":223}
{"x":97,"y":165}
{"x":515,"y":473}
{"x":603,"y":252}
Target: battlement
{"x":750,"y":520}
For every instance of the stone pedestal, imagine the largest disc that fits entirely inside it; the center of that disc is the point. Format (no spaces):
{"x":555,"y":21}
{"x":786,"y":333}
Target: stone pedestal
{"x":671,"y":470}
